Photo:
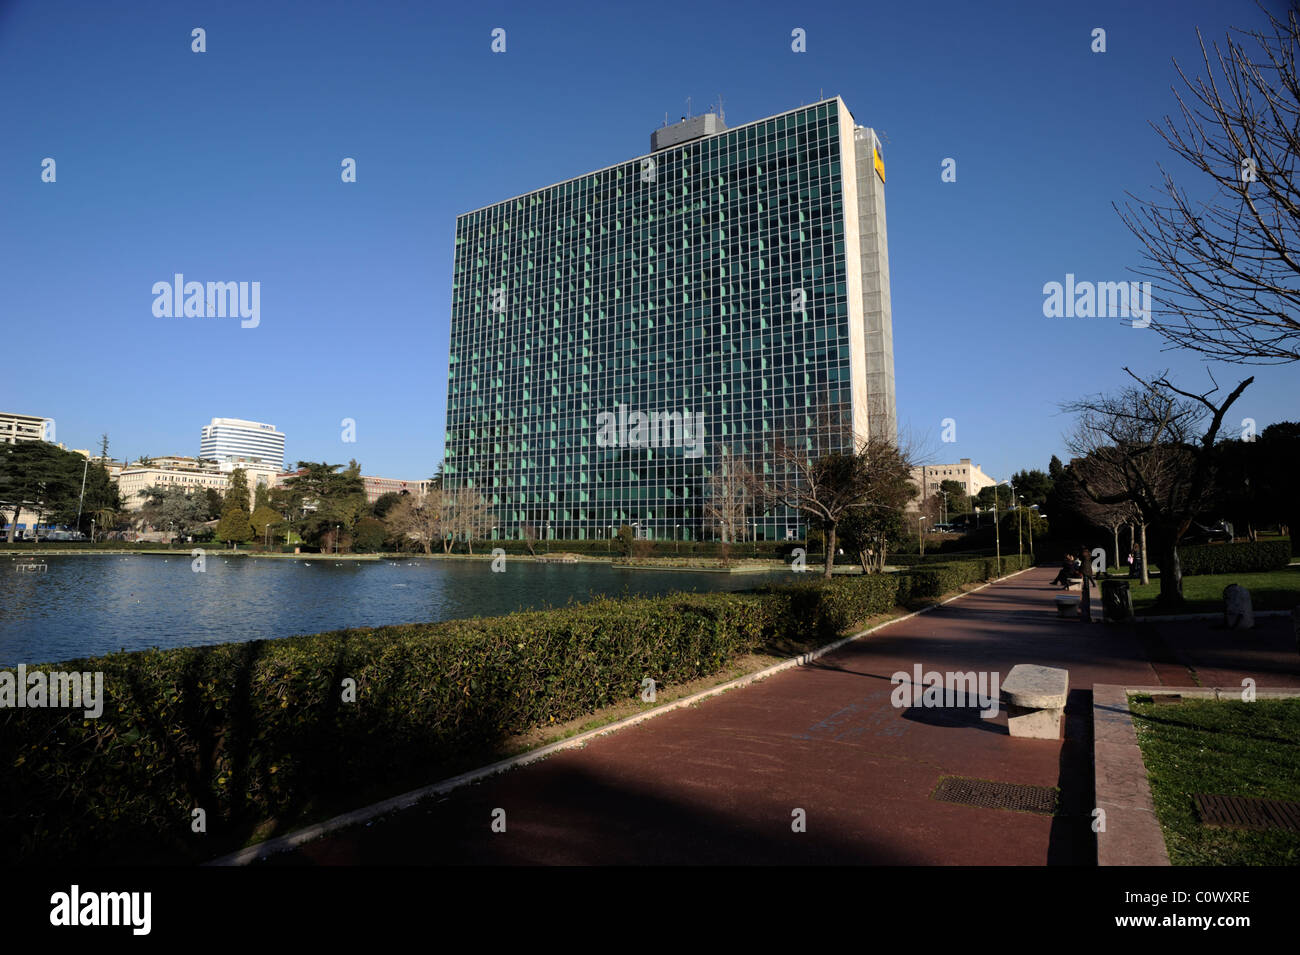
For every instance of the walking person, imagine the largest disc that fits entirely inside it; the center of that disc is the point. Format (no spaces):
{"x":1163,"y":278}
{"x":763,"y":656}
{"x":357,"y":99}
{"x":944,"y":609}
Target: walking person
{"x":1085,"y":595}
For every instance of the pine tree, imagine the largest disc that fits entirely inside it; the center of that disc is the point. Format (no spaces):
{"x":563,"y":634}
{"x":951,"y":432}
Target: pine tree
{"x":237,"y":492}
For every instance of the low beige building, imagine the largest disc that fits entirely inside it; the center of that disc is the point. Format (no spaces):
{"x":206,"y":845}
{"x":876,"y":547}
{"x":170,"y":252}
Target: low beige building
{"x":929,"y":477}
{"x":378,"y":486}
{"x":134,"y":480}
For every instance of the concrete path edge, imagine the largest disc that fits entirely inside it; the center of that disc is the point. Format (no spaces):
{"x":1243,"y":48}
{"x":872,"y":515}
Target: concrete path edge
{"x":404,"y":801}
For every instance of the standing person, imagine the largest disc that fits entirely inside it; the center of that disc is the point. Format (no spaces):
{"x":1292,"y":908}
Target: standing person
{"x":1132,"y":567}
{"x":1085,"y":596}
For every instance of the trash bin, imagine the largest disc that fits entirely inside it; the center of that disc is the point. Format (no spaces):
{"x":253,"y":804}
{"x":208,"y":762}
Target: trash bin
{"x":1116,"y":601}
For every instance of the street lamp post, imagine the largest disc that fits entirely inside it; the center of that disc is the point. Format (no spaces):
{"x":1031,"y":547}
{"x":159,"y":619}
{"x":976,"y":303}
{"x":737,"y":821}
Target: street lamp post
{"x":920,"y":532}
{"x":997,"y":532}
{"x":1019,"y":536}
{"x":677,"y":538}
{"x":336,"y":538}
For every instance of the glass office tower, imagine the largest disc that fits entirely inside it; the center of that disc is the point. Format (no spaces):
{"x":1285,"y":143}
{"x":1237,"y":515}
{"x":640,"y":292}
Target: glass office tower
{"x":619,"y":337}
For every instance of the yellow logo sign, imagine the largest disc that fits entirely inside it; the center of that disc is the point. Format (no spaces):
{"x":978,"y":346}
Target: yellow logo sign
{"x":880,"y":163}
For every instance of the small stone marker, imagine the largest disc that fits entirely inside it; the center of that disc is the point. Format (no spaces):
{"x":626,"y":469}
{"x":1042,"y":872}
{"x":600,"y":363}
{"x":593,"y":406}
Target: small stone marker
{"x":1237,"y":612}
{"x":1035,"y":698}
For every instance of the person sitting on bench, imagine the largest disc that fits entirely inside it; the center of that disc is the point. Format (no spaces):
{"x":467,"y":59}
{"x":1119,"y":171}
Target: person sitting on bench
{"x":1068,"y":570}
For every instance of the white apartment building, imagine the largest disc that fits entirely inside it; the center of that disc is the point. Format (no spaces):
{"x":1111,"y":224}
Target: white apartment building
{"x":21,"y":427}
{"x":236,"y":443}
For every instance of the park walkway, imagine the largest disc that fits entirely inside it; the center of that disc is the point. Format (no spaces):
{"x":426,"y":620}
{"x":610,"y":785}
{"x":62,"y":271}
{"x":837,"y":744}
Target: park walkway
{"x":717,"y":783}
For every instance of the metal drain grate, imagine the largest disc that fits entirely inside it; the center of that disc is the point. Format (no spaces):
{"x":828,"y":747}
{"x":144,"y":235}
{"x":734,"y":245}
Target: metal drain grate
{"x":987,"y":794}
{"x":1245,"y":812}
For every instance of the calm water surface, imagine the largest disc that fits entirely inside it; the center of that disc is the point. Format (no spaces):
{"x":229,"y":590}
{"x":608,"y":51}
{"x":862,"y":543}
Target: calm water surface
{"x":90,"y":605}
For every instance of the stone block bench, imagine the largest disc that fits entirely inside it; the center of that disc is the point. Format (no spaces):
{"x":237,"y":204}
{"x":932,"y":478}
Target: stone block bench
{"x":1035,"y":699}
{"x":1074,"y":583}
{"x":1067,"y":605}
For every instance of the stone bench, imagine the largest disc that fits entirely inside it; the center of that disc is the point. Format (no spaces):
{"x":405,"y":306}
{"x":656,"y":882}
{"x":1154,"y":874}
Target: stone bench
{"x":1035,"y":699}
{"x":1067,"y":605}
{"x":1074,"y":583}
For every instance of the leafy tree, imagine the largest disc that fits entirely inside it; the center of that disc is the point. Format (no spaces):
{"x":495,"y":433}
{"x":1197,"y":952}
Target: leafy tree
{"x":40,"y":477}
{"x":261,"y":496}
{"x":176,"y":509}
{"x":237,"y":492}
{"x":263,"y":517}
{"x":958,"y":502}
{"x":386,"y":502}
{"x":1034,"y":486}
{"x":827,"y":488}
{"x":234,"y":525}
{"x":212,"y":503}
{"x":369,"y":535}
{"x":324,"y":496}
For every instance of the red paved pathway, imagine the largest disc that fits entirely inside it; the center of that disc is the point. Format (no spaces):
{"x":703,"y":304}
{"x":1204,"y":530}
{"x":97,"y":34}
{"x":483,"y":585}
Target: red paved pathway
{"x":717,"y":783}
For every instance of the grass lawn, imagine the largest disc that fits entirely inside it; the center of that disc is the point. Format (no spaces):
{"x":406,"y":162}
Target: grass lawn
{"x":1229,"y":749}
{"x":1272,"y":590}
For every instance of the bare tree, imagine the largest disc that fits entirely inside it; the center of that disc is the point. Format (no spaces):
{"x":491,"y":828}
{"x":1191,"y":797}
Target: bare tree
{"x":466,"y":513}
{"x":730,"y":496}
{"x":1226,"y":271}
{"x":422,"y":519}
{"x":1151,"y":445}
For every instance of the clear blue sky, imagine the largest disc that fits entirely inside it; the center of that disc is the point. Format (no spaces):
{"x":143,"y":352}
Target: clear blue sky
{"x":225,"y":166}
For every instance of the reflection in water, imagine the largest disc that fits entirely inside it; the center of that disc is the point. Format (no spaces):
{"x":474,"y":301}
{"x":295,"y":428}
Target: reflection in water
{"x":86,"y":606}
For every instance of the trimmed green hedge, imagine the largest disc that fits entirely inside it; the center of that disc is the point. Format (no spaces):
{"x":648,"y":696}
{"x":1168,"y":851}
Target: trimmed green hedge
{"x":1243,"y":558}
{"x":930,"y":581}
{"x":257,"y":732}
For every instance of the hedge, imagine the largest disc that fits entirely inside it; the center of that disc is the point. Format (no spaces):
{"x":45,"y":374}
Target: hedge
{"x":1244,"y":558}
{"x":258,"y":732}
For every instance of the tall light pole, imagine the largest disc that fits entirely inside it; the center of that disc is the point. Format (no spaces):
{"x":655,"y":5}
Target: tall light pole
{"x":920,"y":532}
{"x":997,"y":536}
{"x":1019,"y":536}
{"x":85,"y":467}
{"x":1020,"y":542}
